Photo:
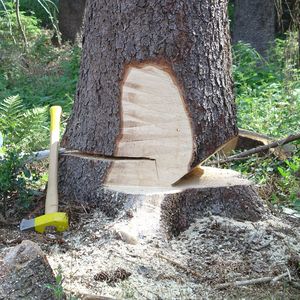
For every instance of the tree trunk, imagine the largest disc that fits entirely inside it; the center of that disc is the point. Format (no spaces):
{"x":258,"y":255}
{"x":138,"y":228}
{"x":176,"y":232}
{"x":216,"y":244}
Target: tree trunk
{"x":254,"y":23}
{"x":153,"y":101}
{"x":70,"y":19}
{"x":155,"y":84}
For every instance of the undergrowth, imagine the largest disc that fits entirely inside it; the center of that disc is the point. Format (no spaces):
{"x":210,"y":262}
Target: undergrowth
{"x":268,"y":102}
{"x":268,"y":90}
{"x":31,"y":80}
{"x":22,"y":131}
{"x":42,"y":75}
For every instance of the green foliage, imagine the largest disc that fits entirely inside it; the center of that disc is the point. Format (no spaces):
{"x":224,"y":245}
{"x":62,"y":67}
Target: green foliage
{"x":267,"y":91}
{"x":22,"y":131}
{"x":42,"y":76}
{"x":44,"y":10}
{"x":268,"y":101}
{"x":10,"y":34}
{"x":49,"y":78}
{"x":21,"y":128}
{"x":289,"y":182}
{"x":57,"y":288}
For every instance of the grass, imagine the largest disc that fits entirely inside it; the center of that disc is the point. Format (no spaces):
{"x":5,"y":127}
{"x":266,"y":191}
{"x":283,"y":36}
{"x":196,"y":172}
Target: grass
{"x":268,"y":91}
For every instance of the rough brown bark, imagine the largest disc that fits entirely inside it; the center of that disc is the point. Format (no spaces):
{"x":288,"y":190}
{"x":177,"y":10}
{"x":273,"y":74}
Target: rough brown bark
{"x":254,"y":23}
{"x":70,"y":19}
{"x":191,"y":37}
{"x":239,"y":202}
{"x":25,"y":272}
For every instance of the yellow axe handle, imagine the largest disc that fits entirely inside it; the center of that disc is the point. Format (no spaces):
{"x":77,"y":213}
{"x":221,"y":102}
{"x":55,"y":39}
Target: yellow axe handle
{"x":51,"y":205}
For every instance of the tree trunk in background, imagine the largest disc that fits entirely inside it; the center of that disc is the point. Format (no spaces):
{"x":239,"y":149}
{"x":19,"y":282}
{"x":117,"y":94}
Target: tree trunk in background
{"x":154,"y":100}
{"x":70,"y":19}
{"x":254,"y":23}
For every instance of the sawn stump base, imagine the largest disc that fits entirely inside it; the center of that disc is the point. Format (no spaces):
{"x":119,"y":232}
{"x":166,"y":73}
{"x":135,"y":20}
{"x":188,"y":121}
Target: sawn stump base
{"x":169,"y":210}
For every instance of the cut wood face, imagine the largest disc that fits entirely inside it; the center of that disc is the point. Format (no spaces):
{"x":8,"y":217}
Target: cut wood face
{"x":208,"y":178}
{"x":155,"y":125}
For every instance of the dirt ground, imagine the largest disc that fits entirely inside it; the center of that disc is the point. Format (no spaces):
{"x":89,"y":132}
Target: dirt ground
{"x":97,"y":259}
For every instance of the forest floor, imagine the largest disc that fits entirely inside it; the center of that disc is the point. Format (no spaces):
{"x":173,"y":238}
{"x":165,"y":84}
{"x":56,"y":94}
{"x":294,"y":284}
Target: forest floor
{"x":94,"y":259}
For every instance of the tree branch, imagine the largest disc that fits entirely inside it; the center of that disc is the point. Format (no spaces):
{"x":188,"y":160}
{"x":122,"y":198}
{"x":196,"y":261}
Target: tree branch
{"x":246,"y":154}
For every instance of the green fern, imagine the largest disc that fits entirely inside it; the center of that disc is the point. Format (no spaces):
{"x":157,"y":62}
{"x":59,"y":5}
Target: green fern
{"x":22,"y":127}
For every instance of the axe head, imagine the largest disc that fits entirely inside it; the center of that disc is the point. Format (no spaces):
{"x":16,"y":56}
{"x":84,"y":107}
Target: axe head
{"x":58,"y":220}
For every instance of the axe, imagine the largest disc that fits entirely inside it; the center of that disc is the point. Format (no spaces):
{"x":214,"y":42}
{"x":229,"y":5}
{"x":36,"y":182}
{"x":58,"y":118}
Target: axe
{"x":51,"y":218}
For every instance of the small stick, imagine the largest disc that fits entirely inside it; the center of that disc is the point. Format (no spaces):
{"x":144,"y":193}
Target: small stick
{"x":244,"y":282}
{"x":94,"y":297}
{"x":273,"y":280}
{"x":178,"y":265}
{"x":279,"y":277}
{"x":246,"y":154}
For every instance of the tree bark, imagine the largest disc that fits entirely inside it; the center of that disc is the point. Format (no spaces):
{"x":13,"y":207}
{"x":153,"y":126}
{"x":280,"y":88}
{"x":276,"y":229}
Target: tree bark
{"x":70,"y":19}
{"x":180,"y":51}
{"x":254,"y":23}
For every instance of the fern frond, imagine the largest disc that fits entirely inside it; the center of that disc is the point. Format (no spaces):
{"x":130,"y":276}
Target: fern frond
{"x":32,"y":120}
{"x":11,"y":107}
{"x":21,"y":126}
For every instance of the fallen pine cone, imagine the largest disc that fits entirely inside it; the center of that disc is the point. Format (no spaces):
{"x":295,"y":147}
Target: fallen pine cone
{"x":102,"y":276}
{"x":121,"y":274}
{"x":112,"y":277}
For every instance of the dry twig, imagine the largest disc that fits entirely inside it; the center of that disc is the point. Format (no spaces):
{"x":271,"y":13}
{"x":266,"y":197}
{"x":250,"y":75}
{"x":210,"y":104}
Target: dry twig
{"x":260,"y":280}
{"x":94,"y":297}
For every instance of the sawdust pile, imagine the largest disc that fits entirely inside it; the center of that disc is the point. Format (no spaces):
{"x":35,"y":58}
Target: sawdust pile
{"x":213,"y":251}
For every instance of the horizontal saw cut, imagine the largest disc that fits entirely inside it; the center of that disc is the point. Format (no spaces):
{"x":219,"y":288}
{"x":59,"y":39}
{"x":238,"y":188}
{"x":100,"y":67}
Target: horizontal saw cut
{"x":168,"y":210}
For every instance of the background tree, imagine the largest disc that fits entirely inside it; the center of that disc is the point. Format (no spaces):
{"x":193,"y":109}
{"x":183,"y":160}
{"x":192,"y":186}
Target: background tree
{"x":70,"y":19}
{"x":254,"y":23}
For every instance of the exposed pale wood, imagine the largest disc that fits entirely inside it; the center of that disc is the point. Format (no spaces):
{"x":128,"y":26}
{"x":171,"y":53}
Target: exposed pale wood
{"x":120,"y":35}
{"x":208,"y":177}
{"x":155,"y":124}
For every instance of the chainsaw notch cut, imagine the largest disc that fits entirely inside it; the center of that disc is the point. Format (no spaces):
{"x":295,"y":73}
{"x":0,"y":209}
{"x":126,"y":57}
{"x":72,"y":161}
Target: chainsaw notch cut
{"x":154,"y":124}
